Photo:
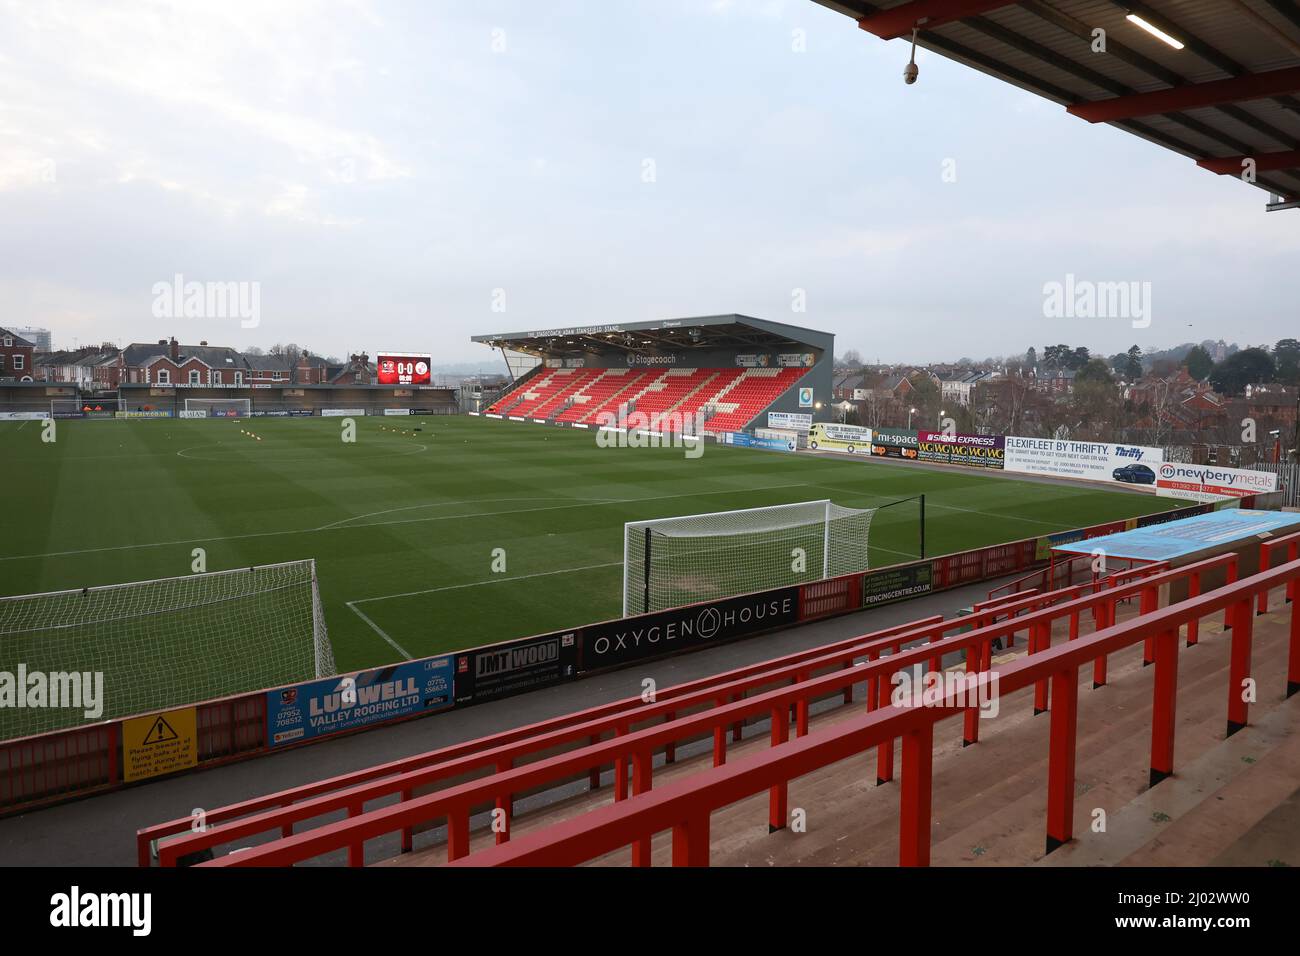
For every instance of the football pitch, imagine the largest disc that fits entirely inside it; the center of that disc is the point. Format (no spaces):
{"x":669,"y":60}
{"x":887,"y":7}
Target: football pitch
{"x":405,"y":524}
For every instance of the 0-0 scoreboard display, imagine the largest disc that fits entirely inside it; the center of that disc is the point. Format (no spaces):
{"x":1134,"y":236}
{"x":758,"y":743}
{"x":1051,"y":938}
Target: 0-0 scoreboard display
{"x":404,"y":368}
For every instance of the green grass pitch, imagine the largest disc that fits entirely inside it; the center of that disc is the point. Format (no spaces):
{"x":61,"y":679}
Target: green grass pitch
{"x":403,"y":526}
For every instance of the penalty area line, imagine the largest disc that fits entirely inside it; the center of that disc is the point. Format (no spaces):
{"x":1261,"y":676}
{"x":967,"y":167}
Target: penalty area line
{"x":475,"y":584}
{"x":380,"y":631}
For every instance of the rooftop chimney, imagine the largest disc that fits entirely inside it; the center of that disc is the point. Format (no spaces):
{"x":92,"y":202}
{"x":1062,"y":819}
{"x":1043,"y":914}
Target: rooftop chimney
{"x":175,"y":349}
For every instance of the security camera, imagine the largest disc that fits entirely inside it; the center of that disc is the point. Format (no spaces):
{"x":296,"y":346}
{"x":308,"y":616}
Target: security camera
{"x":911,"y":71}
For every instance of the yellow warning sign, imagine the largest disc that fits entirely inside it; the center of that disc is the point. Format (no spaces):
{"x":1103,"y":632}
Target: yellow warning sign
{"x":159,"y":744}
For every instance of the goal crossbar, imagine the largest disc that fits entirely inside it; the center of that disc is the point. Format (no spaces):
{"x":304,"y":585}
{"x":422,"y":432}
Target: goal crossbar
{"x":166,"y":642}
{"x":669,"y":562}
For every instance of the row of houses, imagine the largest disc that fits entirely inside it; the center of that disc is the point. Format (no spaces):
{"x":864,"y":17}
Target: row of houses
{"x":167,"y":362}
{"x":955,"y":385}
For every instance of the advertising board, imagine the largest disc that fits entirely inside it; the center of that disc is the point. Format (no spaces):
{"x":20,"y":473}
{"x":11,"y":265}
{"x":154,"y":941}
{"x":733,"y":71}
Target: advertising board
{"x":977,"y":451}
{"x":894,"y":443}
{"x":849,"y":438}
{"x":651,"y":635}
{"x":794,"y":421}
{"x":334,"y":704}
{"x":1207,"y":483}
{"x":499,"y":670}
{"x":745,"y":440}
{"x":1089,"y":461}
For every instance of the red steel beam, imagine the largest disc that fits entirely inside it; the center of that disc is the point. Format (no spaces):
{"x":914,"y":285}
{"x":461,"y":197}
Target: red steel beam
{"x":1190,"y":96}
{"x":1264,"y":162}
{"x":898,"y":22}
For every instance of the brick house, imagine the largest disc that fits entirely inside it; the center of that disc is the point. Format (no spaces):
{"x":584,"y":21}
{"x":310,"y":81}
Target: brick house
{"x":16,"y":356}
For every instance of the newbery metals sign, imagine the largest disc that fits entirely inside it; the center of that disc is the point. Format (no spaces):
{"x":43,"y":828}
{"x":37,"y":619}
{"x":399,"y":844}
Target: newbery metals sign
{"x":1208,"y":483}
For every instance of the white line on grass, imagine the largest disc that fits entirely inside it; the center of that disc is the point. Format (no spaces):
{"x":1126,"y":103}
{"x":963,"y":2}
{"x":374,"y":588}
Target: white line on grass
{"x":933,"y":504}
{"x":475,"y":584}
{"x":445,"y":504}
{"x":381,"y":524}
{"x":380,"y":631}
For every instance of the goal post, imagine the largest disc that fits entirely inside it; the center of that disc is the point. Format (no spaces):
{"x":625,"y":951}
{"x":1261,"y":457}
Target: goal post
{"x":68,"y":407}
{"x":160,"y":644}
{"x":670,"y":562}
{"x":219,"y":407}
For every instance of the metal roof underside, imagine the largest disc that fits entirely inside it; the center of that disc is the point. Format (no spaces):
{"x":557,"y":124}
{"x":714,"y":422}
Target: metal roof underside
{"x":702,"y":333}
{"x":1232,"y":93}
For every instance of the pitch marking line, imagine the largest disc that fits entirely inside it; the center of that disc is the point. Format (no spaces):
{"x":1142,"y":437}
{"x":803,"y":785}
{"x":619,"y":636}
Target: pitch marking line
{"x":475,"y":584}
{"x":380,"y":631}
{"x":445,"y":504}
{"x":381,"y":524}
{"x":939,"y":507}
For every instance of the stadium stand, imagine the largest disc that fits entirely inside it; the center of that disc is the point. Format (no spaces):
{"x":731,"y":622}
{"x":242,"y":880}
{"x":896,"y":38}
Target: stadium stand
{"x":663,"y":396}
{"x":745,"y":398}
{"x":605,"y":394}
{"x":992,"y":804}
{"x":737,"y":396}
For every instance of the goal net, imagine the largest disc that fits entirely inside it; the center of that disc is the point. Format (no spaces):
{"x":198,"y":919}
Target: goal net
{"x":158,"y":644}
{"x":219,"y":407}
{"x":669,"y":562}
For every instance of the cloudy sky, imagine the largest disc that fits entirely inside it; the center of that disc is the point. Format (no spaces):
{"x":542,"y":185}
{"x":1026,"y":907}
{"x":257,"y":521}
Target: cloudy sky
{"x":406,"y":175}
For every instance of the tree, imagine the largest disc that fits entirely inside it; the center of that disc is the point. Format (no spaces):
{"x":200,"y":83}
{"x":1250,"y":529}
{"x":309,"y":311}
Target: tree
{"x":1199,"y":363}
{"x":925,"y":398}
{"x":1286,"y":356}
{"x":254,"y":350}
{"x":1095,"y":371}
{"x":1251,"y":366}
{"x":1057,"y":356}
{"x":1031,"y":357}
{"x":1078,"y":359}
{"x":1133,"y":364}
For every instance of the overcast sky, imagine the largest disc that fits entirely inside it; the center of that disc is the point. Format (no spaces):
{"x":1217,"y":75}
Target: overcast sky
{"x":382,"y":169}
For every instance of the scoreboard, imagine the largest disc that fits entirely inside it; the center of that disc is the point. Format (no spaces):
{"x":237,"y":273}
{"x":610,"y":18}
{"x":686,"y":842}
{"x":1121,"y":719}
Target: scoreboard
{"x":404,"y":368}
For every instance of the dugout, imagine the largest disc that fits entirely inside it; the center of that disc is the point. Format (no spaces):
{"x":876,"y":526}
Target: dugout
{"x":1188,"y":540}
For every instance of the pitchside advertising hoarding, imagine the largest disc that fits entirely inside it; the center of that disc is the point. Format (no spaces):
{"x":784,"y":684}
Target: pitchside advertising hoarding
{"x":745,"y":440}
{"x":894,"y":443}
{"x":500,"y":670}
{"x":403,"y":368}
{"x":1087,"y":460}
{"x":1208,"y":483}
{"x":848,"y":438}
{"x":652,"y":635}
{"x":335,"y":704}
{"x":977,"y":451}
{"x":792,"y":421}
{"x":897,"y":584}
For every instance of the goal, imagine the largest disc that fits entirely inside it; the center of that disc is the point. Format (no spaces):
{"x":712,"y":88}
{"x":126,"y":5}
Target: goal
{"x":68,"y":407}
{"x":670,"y":562}
{"x":161,"y":643}
{"x":219,"y":407}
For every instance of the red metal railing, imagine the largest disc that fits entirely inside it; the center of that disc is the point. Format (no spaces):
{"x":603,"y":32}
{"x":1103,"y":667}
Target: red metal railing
{"x":34,"y":771}
{"x":637,"y":748}
{"x":518,"y":742}
{"x":685,"y":806}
